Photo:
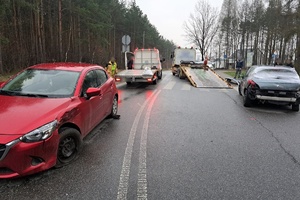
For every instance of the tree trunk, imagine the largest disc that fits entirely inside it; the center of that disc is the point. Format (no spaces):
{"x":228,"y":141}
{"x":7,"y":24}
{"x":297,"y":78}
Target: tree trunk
{"x":69,"y":35}
{"x":1,"y":61}
{"x":246,"y":52}
{"x":39,"y":30}
{"x":272,"y":48}
{"x":256,"y":48}
{"x":51,"y":30}
{"x":297,"y":60}
{"x":79,"y":38}
{"x":284,"y":51}
{"x":60,"y":29}
{"x":281,"y":55}
{"x":266,"y":53}
{"x":43,"y":41}
{"x":16,"y":40}
{"x":297,"y":54}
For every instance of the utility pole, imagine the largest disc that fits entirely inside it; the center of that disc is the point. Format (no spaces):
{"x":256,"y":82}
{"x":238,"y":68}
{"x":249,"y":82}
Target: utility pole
{"x":143,"y":39}
{"x":114,"y":41}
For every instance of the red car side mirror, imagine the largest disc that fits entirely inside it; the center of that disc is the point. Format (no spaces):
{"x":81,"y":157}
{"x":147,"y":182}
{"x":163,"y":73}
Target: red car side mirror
{"x":91,"y":92}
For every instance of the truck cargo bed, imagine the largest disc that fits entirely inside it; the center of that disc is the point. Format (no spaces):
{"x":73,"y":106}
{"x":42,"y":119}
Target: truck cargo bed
{"x":205,"y":79}
{"x":136,"y":75}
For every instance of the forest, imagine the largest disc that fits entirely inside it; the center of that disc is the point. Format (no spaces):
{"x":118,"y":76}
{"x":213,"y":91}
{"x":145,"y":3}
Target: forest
{"x":258,"y":32}
{"x":36,"y":31}
{"x":268,"y":30}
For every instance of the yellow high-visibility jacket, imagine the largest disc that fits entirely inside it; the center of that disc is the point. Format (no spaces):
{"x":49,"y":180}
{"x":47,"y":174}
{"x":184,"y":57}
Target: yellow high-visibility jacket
{"x":112,"y":68}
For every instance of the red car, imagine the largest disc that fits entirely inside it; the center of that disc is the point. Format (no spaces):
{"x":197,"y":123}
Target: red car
{"x":46,"y":110}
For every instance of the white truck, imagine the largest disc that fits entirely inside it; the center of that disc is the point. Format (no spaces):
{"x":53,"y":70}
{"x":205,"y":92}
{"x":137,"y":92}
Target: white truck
{"x":182,"y":56}
{"x":146,"y":67}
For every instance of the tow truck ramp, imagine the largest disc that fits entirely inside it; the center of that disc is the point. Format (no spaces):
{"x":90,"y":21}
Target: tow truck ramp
{"x":201,"y":78}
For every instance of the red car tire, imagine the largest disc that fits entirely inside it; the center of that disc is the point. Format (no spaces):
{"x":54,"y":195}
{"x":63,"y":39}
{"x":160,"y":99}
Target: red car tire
{"x":69,"y":146}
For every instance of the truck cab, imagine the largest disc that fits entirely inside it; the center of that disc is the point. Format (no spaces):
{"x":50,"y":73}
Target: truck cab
{"x":182,"y":56}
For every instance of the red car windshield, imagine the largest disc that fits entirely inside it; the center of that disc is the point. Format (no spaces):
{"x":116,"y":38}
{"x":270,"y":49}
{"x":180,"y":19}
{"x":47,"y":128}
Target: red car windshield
{"x":42,"y":83}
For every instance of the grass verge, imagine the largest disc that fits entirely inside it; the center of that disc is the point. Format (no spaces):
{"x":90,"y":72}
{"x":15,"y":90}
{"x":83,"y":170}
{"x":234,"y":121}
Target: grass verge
{"x":4,"y":77}
{"x":232,"y":73}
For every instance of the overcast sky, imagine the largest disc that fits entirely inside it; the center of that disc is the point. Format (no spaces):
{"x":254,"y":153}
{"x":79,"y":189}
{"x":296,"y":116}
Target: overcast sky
{"x":168,"y":16}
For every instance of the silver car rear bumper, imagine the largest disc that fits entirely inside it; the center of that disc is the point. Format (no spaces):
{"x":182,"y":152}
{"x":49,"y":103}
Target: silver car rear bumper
{"x":281,"y":99}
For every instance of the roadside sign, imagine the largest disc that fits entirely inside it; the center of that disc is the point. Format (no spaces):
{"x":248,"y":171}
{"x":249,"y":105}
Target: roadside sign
{"x":125,"y":48}
{"x":126,"y":39}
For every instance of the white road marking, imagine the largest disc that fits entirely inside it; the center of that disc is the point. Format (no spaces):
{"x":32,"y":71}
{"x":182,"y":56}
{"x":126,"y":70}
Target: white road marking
{"x":124,"y":176}
{"x":170,"y":85}
{"x":142,"y":173}
{"x":186,"y":87}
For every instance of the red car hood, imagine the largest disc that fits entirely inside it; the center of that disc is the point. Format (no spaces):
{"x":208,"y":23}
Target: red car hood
{"x":20,"y":115}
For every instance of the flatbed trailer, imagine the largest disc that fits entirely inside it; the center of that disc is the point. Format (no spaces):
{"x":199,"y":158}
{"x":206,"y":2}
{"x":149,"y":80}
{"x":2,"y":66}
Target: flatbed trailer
{"x":201,"y":78}
{"x":134,"y":75}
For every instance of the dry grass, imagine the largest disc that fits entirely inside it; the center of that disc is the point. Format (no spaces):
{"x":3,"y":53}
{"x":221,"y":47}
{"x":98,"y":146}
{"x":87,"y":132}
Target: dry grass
{"x":232,"y":72}
{"x":4,"y":77}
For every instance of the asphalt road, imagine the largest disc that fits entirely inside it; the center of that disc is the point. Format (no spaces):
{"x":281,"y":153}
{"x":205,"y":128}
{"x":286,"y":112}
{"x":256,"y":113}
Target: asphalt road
{"x":174,"y":141}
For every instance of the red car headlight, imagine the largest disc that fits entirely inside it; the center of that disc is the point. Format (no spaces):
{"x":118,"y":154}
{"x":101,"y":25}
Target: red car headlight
{"x":41,"y":133}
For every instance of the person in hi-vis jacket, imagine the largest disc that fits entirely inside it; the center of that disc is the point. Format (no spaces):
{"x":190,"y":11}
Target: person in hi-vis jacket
{"x":112,"y":67}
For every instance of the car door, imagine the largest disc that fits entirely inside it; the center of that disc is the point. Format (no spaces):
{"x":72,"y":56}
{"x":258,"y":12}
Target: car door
{"x":96,"y":104}
{"x":106,"y":85}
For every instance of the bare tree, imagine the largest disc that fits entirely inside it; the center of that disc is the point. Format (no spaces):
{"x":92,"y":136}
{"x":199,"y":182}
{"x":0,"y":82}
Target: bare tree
{"x":202,"y":26}
{"x":297,"y":31}
{"x":229,"y":22}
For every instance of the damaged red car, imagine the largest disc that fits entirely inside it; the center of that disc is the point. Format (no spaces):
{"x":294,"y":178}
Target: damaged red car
{"x":46,"y":110}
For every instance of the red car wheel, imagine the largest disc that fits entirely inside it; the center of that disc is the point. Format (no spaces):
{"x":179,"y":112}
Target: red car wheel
{"x":69,"y":146}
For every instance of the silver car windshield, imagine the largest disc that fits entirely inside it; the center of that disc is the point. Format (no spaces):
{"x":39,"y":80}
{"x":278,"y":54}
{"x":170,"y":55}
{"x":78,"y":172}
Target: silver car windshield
{"x":276,"y":73}
{"x":42,"y":83}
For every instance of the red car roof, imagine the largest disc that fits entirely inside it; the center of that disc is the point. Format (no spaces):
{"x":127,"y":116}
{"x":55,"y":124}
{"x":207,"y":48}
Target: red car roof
{"x":70,"y":66}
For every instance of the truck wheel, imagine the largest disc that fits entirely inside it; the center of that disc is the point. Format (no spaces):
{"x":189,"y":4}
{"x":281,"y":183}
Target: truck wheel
{"x":159,"y":74}
{"x":154,"y":81}
{"x":295,"y":107}
{"x":180,"y":74}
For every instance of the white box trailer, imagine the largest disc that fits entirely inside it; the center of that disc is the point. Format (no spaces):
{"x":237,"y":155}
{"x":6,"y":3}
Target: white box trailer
{"x":146,"y":67}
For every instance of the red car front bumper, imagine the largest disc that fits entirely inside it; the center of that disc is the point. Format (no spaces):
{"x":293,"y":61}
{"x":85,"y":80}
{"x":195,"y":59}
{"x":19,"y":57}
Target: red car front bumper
{"x":27,"y":158}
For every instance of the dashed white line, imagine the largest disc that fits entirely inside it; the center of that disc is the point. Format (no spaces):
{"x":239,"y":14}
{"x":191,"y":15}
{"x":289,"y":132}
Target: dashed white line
{"x":142,"y":173}
{"x":170,"y":85}
{"x":124,"y":176}
{"x":186,"y":87}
